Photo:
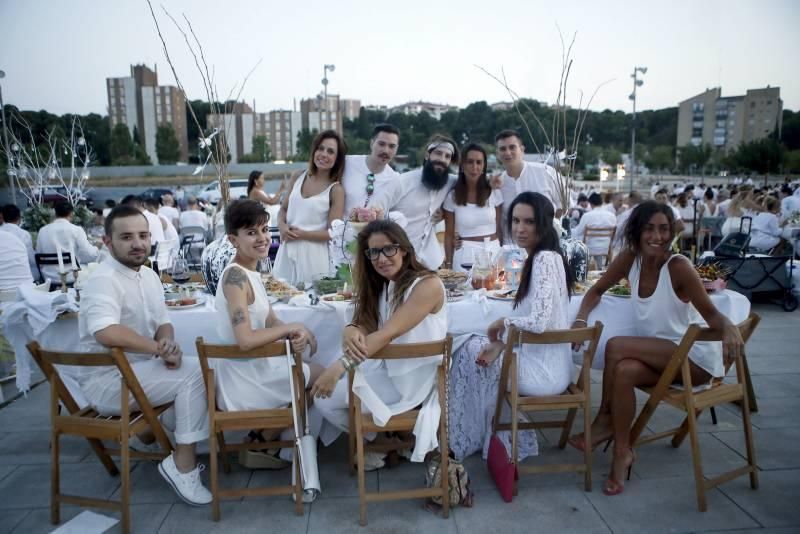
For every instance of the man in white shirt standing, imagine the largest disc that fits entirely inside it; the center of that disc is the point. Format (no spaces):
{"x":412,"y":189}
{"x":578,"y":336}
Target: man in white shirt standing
{"x":365,"y":175}
{"x":156,"y":227}
{"x":68,"y":236}
{"x":520,"y":175}
{"x":123,"y":306}
{"x":596,"y":218}
{"x":419,"y":195}
{"x":193,"y":216}
{"x":11,"y":223}
{"x":14,"y":268}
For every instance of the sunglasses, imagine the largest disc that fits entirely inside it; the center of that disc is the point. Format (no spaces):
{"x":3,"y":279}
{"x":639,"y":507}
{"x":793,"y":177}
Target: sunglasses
{"x":387,"y":250}
{"x":370,"y":183}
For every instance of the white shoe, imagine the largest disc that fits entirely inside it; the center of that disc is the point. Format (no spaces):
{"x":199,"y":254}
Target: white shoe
{"x":187,"y":485}
{"x":374,"y":461}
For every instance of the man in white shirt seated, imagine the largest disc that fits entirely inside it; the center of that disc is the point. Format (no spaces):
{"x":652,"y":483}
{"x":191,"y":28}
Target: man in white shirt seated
{"x":366,"y":175}
{"x":169,"y":210}
{"x":63,"y":232}
{"x":123,"y":306}
{"x":14,"y":268}
{"x":154,"y":223}
{"x":595,"y":219}
{"x":193,"y":216}
{"x":520,"y":175}
{"x":419,"y":195}
{"x":11,"y":223}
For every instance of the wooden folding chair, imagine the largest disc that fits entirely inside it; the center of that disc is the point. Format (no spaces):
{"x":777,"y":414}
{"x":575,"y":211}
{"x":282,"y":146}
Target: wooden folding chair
{"x":577,"y":395}
{"x":275,"y":419}
{"x":88,"y":423}
{"x":361,"y":423}
{"x":601,"y":233}
{"x":694,"y":402}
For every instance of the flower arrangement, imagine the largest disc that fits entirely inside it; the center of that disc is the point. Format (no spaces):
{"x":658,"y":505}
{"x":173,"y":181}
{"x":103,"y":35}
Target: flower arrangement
{"x":365,"y":215}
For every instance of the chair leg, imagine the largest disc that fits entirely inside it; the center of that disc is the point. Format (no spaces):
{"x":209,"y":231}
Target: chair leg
{"x":223,"y":451}
{"x":751,"y":394}
{"x":713,"y":415}
{"x":562,"y":441}
{"x":514,"y":423}
{"x":298,"y":482}
{"x":55,"y":479}
{"x":351,"y":440}
{"x":362,"y":483}
{"x":587,"y":451}
{"x":748,"y":441}
{"x":697,"y":461}
{"x":213,"y":461}
{"x":444,"y":446}
{"x":125,"y":482}
{"x":105,"y":459}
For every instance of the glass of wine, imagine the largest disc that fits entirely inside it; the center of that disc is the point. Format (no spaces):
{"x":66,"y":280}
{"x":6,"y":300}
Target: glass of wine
{"x":180,"y":271}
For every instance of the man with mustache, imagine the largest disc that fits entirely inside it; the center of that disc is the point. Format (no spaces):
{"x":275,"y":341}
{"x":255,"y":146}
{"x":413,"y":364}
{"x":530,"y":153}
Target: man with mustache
{"x":365,"y":175}
{"x":123,"y":306}
{"x":419,"y":194}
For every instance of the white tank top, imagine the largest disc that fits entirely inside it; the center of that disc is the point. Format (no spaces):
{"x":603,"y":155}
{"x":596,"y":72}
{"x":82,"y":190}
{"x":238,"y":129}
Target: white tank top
{"x":258,"y":310}
{"x":308,"y":213}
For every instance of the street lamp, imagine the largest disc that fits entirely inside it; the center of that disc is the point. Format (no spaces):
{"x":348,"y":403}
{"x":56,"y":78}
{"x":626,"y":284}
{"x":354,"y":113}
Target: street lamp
{"x":5,"y":143}
{"x":325,"y":70}
{"x":636,"y":83}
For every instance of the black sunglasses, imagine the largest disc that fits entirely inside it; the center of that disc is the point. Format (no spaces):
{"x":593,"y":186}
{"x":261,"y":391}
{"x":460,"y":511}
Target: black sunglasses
{"x":370,"y":183}
{"x":388,"y":251}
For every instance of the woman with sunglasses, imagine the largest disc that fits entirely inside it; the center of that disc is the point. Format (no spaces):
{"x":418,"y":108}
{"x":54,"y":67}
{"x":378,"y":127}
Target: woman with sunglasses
{"x":473,"y":211}
{"x":398,"y":301}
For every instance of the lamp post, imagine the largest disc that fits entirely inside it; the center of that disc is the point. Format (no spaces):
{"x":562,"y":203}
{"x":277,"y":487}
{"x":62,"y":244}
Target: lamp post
{"x":325,"y":70}
{"x":636,"y":83}
{"x":5,"y":143}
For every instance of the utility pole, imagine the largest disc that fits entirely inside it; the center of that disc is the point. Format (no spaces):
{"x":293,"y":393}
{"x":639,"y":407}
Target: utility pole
{"x":636,"y":83}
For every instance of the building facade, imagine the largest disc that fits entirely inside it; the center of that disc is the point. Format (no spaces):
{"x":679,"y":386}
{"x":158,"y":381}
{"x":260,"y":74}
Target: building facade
{"x":318,"y":115}
{"x":349,"y":108}
{"x":725,"y":122}
{"x":241,"y":125}
{"x":142,"y":105}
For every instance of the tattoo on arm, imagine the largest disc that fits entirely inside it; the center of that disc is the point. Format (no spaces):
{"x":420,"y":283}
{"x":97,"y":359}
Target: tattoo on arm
{"x":235,"y":277}
{"x":237,"y":317}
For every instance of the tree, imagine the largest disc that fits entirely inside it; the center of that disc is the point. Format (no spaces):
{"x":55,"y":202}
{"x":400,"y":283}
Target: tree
{"x":304,"y":139}
{"x":122,"y":147}
{"x":612,"y":156}
{"x":660,"y":158}
{"x":791,"y":161}
{"x":762,"y":156}
{"x":168,"y":149}
{"x":693,"y":159}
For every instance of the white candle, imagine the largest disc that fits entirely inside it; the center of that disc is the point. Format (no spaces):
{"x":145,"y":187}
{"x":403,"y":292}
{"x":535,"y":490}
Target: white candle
{"x":72,"y":262}
{"x":60,"y":258}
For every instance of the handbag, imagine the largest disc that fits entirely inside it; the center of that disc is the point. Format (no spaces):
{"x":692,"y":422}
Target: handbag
{"x":734,"y":245}
{"x":504,"y":472}
{"x":305,"y":443}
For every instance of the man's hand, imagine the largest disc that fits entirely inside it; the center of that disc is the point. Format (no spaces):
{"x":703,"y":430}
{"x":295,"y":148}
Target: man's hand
{"x":438,"y":216}
{"x":170,"y":352}
{"x":496,"y":181}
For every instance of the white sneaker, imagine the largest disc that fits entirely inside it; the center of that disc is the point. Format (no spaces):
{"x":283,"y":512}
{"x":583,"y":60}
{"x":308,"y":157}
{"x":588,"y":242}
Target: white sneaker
{"x":374,"y":461}
{"x":187,"y":485}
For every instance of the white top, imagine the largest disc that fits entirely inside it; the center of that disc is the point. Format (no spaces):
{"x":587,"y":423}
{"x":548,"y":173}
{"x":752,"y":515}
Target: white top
{"x":788,"y":205}
{"x":194,"y":218}
{"x":765,"y":232}
{"x":170,"y":212}
{"x":536,"y":177}
{"x":722,"y":207}
{"x":545,"y":307}
{"x":25,"y":237}
{"x":156,"y":229}
{"x":354,"y":181}
{"x":116,"y":294}
{"x":309,"y":213}
{"x":63,"y":232}
{"x":676,"y":213}
{"x":409,"y":196}
{"x":170,"y":233}
{"x":596,"y":218}
{"x":258,"y":310}
{"x":14,"y":268}
{"x":473,"y":220}
{"x":665,"y":316}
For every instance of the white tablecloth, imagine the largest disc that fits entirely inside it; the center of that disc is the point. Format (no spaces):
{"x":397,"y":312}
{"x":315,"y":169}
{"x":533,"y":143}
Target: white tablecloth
{"x":328,"y":320}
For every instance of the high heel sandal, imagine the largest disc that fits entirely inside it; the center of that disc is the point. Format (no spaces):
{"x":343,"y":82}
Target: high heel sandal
{"x":614,"y":487}
{"x":581,"y":443}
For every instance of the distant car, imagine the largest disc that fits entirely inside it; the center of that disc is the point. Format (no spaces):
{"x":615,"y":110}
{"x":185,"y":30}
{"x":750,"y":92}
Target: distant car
{"x":155,"y":192}
{"x":211,"y":192}
{"x":52,"y":195}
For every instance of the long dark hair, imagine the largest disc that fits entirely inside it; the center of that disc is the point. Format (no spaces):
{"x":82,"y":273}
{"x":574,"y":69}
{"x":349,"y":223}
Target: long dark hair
{"x":639,"y":217}
{"x":543,"y":214}
{"x":251,"y":180}
{"x":484,"y":189}
{"x":369,"y":285}
{"x":341,"y":151}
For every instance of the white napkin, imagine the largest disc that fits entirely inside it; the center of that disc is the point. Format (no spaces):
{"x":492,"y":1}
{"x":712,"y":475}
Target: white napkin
{"x":479,"y":296}
{"x":26,"y":318}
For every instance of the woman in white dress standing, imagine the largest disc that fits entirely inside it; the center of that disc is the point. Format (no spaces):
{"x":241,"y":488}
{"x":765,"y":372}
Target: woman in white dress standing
{"x":399,"y":301}
{"x":473,"y":211}
{"x":316,"y":199}
{"x":246,"y":319}
{"x":541,"y":304}
{"x":667,"y":294}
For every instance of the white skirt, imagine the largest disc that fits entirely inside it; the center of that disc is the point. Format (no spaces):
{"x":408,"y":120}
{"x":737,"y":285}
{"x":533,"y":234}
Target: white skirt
{"x":299,"y":261}
{"x":256,"y":384}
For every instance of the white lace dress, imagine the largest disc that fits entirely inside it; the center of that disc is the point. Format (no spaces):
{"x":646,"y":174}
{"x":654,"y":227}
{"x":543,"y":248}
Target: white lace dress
{"x":543,"y":369}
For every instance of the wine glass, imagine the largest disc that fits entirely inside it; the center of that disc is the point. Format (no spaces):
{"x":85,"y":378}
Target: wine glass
{"x":467,"y":258}
{"x":180,"y":271}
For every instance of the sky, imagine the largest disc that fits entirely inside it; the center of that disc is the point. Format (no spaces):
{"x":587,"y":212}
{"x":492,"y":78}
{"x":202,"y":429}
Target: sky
{"x":57,"y":54}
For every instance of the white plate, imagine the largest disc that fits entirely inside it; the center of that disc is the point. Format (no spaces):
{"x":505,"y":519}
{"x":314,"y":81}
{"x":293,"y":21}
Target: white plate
{"x":200,"y":302}
{"x":502,"y":294}
{"x":332,"y":300}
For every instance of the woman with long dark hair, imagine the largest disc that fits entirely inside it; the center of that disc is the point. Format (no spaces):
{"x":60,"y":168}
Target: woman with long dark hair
{"x":397,"y":300}
{"x":541,"y":302}
{"x":255,"y":189}
{"x":316,"y":199}
{"x":472,"y":210}
{"x":667,"y":294}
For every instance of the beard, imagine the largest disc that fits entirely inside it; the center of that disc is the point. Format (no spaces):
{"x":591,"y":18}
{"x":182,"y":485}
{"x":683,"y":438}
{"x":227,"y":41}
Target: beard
{"x":435,"y":175}
{"x":126,"y":260}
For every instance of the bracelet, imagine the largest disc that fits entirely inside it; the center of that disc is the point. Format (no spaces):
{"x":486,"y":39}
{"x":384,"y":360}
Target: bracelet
{"x":346,"y":363}
{"x":578,"y":319}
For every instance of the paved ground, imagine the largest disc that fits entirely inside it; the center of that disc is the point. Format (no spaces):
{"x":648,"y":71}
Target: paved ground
{"x":660,"y":496}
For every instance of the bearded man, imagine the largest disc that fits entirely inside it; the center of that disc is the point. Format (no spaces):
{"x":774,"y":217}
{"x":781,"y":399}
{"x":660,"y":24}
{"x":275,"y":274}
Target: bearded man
{"x":419,"y":195}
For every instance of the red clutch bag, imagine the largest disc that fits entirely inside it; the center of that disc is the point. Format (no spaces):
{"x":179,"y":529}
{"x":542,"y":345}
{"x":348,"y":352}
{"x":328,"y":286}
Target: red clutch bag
{"x":503,"y":470}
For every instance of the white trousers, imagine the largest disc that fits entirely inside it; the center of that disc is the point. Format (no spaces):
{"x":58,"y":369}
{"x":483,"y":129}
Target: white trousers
{"x":188,"y":418}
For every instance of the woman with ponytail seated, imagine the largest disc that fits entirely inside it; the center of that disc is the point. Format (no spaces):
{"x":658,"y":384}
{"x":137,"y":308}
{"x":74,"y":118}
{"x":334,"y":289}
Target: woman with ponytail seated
{"x":398,"y":301}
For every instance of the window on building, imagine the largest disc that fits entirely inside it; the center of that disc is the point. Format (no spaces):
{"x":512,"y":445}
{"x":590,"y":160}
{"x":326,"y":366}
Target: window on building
{"x":696,"y":141}
{"x":752,"y":105}
{"x":698,"y":106}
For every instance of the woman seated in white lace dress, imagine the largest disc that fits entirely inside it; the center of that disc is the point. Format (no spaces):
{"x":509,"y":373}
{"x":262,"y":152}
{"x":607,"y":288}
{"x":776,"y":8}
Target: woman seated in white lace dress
{"x":246,"y":319}
{"x":399,"y":301}
{"x":541,"y":304}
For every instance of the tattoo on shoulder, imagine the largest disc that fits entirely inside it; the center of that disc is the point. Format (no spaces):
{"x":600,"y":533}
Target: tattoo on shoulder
{"x":235,"y":277}
{"x":237,"y":317}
